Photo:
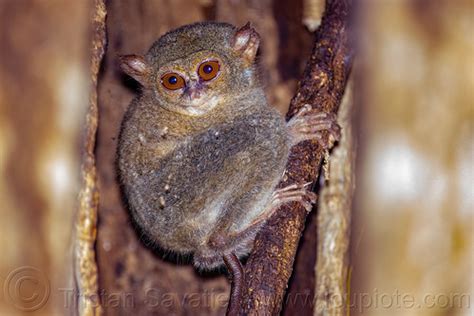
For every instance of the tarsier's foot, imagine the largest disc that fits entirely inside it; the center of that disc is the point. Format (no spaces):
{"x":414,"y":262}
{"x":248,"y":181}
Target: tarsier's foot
{"x":294,"y":193}
{"x":308,"y":124}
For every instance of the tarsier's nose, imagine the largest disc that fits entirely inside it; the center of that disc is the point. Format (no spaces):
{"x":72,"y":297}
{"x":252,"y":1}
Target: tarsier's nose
{"x":193,"y":89}
{"x":194,"y":93}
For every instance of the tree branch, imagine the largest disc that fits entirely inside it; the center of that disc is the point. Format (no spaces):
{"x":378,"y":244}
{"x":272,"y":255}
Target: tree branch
{"x":86,"y":230}
{"x":269,"y":267}
{"x":334,"y":218}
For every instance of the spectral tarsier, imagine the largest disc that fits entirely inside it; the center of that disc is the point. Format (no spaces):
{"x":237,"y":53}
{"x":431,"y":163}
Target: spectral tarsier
{"x":201,"y":151}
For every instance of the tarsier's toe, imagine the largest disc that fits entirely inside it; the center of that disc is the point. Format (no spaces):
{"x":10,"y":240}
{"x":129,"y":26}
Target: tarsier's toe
{"x":295,"y":193}
{"x":309,"y":124}
{"x":335,"y":130}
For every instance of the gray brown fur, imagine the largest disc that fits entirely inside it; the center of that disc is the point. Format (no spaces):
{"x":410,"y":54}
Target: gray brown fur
{"x":194,"y":184}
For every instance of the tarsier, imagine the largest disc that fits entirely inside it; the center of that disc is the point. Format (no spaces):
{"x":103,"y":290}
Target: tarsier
{"x":201,"y":151}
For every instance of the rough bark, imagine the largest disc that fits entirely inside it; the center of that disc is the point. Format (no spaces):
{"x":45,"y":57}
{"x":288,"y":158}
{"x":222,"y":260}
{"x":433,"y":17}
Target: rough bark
{"x":334,"y":220}
{"x":269,"y":267}
{"x":86,"y":230}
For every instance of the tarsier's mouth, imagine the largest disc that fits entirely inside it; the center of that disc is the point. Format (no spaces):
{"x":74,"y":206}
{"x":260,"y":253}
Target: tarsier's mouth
{"x":198,"y":104}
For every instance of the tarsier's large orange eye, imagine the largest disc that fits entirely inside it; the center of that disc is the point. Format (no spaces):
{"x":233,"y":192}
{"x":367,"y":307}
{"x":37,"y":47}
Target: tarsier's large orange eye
{"x":172,"y":81}
{"x":208,"y":70}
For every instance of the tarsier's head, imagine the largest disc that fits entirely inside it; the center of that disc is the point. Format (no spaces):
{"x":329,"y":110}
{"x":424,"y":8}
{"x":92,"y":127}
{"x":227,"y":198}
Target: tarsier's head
{"x":193,"y":69}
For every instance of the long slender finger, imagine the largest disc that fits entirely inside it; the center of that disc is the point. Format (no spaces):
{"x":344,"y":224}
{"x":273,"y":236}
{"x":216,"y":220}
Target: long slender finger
{"x":296,"y":196}
{"x":300,"y":191}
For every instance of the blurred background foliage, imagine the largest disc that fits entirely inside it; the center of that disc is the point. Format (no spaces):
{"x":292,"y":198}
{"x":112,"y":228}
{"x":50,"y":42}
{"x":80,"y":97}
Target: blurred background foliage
{"x":414,"y":197}
{"x":411,"y":249}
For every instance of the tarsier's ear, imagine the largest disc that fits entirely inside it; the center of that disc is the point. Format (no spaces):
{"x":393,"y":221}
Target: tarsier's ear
{"x":136,"y":67}
{"x":246,"y":41}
